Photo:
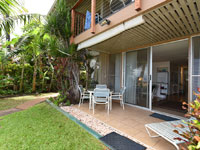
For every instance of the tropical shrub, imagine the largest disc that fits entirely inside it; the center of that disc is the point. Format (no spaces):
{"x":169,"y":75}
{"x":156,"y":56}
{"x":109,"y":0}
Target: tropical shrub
{"x":59,"y":100}
{"x":192,"y":136}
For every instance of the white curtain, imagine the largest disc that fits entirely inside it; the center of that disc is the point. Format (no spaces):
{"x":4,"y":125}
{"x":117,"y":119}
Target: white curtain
{"x":131,"y":77}
{"x":117,"y":72}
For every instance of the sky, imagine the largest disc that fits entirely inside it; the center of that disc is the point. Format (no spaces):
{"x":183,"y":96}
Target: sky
{"x":38,"y":6}
{"x":35,"y":6}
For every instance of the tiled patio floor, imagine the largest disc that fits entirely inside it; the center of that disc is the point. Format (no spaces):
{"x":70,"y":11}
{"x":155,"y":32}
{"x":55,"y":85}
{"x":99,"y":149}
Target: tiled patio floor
{"x":130,"y":121}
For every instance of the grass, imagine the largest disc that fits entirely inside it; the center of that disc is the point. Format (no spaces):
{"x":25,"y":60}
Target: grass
{"x":43,"y":128}
{"x":12,"y":102}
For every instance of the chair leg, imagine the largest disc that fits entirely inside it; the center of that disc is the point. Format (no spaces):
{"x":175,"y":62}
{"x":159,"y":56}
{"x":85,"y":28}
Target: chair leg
{"x":122,"y":104}
{"x":93,"y":107}
{"x":108,"y":108}
{"x":110,"y":104}
{"x":90,"y":103}
{"x":80,"y":101}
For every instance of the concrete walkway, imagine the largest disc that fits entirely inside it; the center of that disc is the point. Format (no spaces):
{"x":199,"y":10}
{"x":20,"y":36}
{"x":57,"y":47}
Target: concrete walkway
{"x":29,"y":104}
{"x":26,"y":105}
{"x":9,"y":111}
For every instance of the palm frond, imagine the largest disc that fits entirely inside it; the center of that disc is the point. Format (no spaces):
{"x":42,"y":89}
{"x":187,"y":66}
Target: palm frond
{"x":11,"y":7}
{"x":7,"y":24}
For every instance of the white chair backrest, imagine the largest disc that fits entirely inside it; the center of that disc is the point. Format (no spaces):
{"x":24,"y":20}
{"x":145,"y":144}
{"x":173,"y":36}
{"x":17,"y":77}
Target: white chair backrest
{"x":101,"y":86}
{"x":122,"y":90}
{"x":101,"y":93}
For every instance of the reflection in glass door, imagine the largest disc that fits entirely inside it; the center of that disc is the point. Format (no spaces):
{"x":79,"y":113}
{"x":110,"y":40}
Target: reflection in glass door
{"x":136,"y":80}
{"x":195,"y":65}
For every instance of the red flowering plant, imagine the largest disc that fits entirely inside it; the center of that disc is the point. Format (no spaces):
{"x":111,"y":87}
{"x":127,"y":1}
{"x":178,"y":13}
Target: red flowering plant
{"x":192,"y":136}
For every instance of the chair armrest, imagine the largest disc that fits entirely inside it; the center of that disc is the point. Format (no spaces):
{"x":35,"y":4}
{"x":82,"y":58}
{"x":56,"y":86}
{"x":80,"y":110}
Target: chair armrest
{"x":115,"y":93}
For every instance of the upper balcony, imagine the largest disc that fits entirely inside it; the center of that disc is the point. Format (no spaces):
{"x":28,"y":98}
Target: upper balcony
{"x":103,"y":9}
{"x":92,"y":17}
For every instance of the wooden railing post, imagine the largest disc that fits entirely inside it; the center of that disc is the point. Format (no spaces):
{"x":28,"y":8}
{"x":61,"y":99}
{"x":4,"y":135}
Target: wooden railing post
{"x":138,"y":5}
{"x":93,"y":13}
{"x":72,"y":25}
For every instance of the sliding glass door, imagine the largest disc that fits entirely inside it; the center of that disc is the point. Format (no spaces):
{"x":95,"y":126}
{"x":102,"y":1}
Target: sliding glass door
{"x":137,"y":78}
{"x":114,"y":72}
{"x":195,"y":64}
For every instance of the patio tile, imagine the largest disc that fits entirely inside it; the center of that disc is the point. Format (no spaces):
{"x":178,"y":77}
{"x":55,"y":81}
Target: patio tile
{"x":131,"y":121}
{"x":115,"y":123}
{"x":144,"y":137}
{"x":164,"y":145}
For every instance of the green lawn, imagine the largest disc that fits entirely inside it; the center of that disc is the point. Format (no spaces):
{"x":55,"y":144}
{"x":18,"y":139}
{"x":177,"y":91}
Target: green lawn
{"x":11,"y":102}
{"x":44,"y":128}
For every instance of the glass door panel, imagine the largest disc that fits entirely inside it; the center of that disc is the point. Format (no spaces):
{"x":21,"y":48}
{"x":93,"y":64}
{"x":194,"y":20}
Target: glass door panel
{"x":137,"y":82}
{"x":114,"y":76}
{"x":195,"y":64}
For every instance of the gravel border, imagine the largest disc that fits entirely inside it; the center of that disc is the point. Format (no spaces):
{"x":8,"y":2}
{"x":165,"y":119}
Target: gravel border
{"x":97,"y":125}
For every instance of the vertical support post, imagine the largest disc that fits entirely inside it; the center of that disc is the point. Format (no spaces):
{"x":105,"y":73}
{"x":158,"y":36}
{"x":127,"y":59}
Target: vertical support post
{"x":122,"y":73}
{"x":190,"y":57}
{"x":138,"y":5}
{"x":124,"y":69}
{"x":150,"y":77}
{"x":72,"y":25}
{"x":93,"y":13}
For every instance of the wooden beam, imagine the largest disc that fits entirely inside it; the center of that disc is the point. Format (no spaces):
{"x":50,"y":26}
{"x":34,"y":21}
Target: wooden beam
{"x":93,"y":13}
{"x":72,"y":25}
{"x":77,"y":4}
{"x":138,"y":5}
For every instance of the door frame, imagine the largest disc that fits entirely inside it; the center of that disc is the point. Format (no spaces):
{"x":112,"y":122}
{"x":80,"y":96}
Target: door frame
{"x":149,"y":61}
{"x":190,"y":85}
{"x":150,"y":77}
{"x":151,"y":68}
{"x":189,"y":67}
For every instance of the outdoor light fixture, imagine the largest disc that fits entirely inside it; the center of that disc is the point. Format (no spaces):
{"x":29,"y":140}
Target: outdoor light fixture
{"x":105,"y":22}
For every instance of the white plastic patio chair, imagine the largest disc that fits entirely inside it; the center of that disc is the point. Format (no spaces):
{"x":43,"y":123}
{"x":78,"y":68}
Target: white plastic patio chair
{"x":83,"y":94}
{"x":165,"y":130}
{"x":101,"y":86}
{"x":119,"y":96}
{"x":101,"y":96}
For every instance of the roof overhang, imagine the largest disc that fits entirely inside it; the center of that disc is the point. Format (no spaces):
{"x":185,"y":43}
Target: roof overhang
{"x":171,"y":21}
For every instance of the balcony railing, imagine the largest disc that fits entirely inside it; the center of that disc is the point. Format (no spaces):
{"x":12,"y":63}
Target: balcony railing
{"x":79,"y":23}
{"x":87,"y":13}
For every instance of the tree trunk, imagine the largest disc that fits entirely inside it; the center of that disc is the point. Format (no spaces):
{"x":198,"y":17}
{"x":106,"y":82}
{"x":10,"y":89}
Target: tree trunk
{"x":87,"y":75}
{"x":74,"y":80}
{"x":51,"y":83}
{"x":40,"y":62}
{"x":22,"y":75}
{"x":8,"y":34}
{"x":43,"y":80}
{"x":52,"y":73}
{"x":2,"y":68}
{"x":34,"y":76}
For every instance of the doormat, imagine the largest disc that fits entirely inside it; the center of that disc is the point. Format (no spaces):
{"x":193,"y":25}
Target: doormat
{"x":163,"y":117}
{"x":118,"y":142}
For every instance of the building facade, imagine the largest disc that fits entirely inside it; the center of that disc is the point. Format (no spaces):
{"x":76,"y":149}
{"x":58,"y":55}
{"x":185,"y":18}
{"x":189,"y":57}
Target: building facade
{"x":151,"y":47}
